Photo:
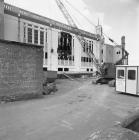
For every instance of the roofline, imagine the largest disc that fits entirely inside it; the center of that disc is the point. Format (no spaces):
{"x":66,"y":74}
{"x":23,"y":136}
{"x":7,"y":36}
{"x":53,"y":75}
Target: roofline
{"x":24,"y":14}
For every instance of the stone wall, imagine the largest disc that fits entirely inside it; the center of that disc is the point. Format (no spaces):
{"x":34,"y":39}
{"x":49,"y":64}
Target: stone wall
{"x":21,"y":69}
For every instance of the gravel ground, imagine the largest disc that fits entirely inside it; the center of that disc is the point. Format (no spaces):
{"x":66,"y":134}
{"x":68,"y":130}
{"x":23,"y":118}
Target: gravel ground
{"x":79,"y":110}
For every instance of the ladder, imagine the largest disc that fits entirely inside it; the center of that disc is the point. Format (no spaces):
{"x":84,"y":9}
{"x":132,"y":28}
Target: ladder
{"x":79,"y":37}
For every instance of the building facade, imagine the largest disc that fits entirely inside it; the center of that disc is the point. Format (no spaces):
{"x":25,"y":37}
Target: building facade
{"x":62,"y":49}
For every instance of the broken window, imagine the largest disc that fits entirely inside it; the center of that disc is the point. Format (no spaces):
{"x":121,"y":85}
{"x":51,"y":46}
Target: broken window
{"x":64,"y":46}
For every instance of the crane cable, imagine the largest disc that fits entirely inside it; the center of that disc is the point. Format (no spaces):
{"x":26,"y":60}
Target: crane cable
{"x":110,"y":39}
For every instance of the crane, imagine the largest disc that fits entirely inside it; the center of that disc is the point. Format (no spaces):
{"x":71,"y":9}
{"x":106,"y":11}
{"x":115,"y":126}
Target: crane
{"x":80,"y":38}
{"x":107,"y":70}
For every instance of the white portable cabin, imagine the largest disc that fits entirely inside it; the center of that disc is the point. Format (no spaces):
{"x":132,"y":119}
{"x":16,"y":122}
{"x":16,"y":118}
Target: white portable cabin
{"x":127,"y":79}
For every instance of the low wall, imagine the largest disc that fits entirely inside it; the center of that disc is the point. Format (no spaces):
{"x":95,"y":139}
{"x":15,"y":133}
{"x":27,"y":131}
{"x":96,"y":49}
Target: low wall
{"x":50,"y":76}
{"x":21,"y":69}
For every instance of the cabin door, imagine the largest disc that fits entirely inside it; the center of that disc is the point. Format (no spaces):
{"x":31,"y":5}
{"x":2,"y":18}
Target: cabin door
{"x":120,"y":79}
{"x":131,"y":80}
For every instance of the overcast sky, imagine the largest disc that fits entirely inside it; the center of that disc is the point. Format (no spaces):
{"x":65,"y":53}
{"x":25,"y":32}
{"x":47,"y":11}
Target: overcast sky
{"x":118,"y":17}
{"x":122,"y":18}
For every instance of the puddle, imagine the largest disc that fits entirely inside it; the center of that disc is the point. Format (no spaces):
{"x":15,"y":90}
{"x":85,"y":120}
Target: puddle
{"x":134,"y":125}
{"x":132,"y":122}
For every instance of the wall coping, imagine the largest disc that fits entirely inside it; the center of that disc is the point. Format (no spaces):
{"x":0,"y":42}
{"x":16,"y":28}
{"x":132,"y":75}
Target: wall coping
{"x":20,"y":43}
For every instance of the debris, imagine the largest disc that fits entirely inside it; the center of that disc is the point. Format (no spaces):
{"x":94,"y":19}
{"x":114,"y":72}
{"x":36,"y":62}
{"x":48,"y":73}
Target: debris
{"x":111,"y":83}
{"x":49,"y":88}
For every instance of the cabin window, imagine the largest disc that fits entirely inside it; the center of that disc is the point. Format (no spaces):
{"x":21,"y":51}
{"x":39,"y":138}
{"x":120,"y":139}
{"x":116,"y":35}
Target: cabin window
{"x":120,"y":74}
{"x":131,"y":74}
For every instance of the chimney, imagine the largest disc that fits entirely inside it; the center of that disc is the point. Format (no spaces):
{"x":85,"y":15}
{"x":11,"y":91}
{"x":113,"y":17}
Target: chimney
{"x":123,"y":47}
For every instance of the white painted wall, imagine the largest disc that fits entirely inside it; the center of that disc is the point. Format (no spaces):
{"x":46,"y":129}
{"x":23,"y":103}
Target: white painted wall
{"x":108,"y":52}
{"x":77,"y":54}
{"x":10,"y":28}
{"x":11,"y":33}
{"x":117,"y":56}
{"x":52,"y":49}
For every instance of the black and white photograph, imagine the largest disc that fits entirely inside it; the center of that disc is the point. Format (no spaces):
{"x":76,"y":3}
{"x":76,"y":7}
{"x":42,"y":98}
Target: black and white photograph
{"x":69,"y":69}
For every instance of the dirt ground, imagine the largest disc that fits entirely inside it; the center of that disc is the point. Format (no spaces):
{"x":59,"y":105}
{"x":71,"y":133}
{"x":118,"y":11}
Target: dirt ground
{"x":76,"y":111}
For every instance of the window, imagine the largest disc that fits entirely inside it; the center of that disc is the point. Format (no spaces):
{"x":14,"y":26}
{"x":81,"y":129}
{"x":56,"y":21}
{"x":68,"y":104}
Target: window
{"x":41,"y":37}
{"x":118,"y":52}
{"x":46,"y":36}
{"x":45,"y":68}
{"x":120,"y":74}
{"x":90,"y":60}
{"x":131,"y":74}
{"x":73,"y":43}
{"x":66,"y":69}
{"x":92,"y":46}
{"x":29,"y":35}
{"x":89,"y":46}
{"x":60,"y":69}
{"x":24,"y":32}
{"x":46,"y":55}
{"x":36,"y":36}
{"x":84,"y":46}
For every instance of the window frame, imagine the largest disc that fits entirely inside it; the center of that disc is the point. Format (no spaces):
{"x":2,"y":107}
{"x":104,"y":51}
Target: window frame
{"x":121,"y":75}
{"x":131,"y":76}
{"x":30,"y":35}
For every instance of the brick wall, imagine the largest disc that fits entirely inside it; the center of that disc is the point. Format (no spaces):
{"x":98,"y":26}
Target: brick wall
{"x":21,"y":69}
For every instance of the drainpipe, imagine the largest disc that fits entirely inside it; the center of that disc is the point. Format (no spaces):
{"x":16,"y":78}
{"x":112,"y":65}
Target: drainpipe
{"x":1,"y":19}
{"x":19,"y":39}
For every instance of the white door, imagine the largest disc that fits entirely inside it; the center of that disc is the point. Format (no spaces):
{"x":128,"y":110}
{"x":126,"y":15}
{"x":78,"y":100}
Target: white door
{"x":131,"y":82}
{"x":120,"y":79}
